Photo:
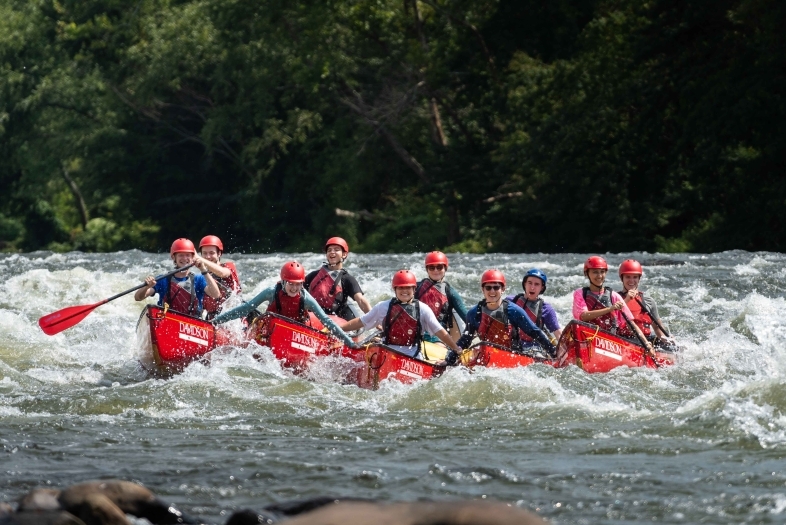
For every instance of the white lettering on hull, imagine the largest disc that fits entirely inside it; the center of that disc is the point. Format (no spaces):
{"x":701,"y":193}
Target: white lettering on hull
{"x":412,"y":369}
{"x":304,"y":342}
{"x":193,"y":333}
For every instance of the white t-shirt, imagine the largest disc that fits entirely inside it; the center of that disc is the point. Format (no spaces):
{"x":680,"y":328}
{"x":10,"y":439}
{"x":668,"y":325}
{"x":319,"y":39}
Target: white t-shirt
{"x":376,"y":316}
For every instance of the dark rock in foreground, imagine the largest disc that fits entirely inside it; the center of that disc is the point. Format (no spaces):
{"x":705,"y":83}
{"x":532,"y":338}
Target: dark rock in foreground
{"x":109,"y":503}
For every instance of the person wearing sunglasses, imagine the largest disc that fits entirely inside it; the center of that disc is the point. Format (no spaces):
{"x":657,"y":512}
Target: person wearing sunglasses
{"x":540,"y":312}
{"x":497,"y":320}
{"x":438,"y":295}
{"x":289,"y":299}
{"x":331,"y":285}
{"x":598,"y":304}
{"x":404,"y":319}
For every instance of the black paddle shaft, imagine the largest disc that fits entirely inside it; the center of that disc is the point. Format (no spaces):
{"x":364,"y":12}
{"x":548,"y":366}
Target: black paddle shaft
{"x":164,"y":276}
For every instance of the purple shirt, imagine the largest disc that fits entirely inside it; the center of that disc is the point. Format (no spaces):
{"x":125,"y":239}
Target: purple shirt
{"x":548,"y":315}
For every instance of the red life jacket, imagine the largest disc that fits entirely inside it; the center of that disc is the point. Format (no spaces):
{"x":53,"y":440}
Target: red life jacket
{"x":291,"y":307}
{"x":641,"y":318}
{"x":534,"y":311}
{"x":181,"y":296}
{"x":494,"y":325}
{"x":226,"y":286}
{"x":328,"y":291}
{"x":435,"y":296}
{"x":402,"y":323}
{"x":598,"y":302}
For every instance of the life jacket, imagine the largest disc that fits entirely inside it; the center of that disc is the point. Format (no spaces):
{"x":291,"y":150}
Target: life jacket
{"x":291,"y":307}
{"x":598,"y":302}
{"x":534,"y":310}
{"x":495,"y":326}
{"x":640,"y":317}
{"x":181,"y":296}
{"x":226,"y":286}
{"x":402,"y":323}
{"x":327,"y":290}
{"x":435,"y":295}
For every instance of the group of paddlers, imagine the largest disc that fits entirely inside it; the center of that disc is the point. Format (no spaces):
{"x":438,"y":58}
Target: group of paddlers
{"x":423,"y":310}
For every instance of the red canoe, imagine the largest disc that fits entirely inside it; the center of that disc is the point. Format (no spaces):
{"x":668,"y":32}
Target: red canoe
{"x":381,"y":362}
{"x":594,"y":350}
{"x":169,"y":341}
{"x":299,"y":346}
{"x":498,"y":356}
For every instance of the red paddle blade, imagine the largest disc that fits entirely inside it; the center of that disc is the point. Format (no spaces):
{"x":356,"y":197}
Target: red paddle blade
{"x":60,"y":320}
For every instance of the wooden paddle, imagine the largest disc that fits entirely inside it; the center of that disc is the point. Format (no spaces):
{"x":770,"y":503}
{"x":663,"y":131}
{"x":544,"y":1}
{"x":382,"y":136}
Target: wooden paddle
{"x":60,"y":320}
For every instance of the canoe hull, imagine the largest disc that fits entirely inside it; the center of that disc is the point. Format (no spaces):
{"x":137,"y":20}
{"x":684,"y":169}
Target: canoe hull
{"x":594,"y":350}
{"x":168,"y":341}
{"x":379,"y":362}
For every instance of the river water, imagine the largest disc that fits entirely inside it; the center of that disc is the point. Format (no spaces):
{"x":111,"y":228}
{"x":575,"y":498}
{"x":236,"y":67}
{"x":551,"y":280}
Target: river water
{"x":701,"y":442}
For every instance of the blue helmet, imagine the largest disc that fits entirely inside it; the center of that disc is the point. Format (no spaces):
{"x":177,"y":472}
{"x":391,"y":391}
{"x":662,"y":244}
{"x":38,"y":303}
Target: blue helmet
{"x":536,"y":273}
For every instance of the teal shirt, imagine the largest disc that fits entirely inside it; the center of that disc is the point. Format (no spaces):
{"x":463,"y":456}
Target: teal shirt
{"x":456,"y":305}
{"x":268,"y":294}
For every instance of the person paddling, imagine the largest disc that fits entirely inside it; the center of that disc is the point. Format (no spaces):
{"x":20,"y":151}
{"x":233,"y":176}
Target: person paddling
{"x":496,"y":320}
{"x":600,"y":305}
{"x":331,"y":285}
{"x":440,"y":297}
{"x":225,"y":274}
{"x":642,"y":307}
{"x":184,"y":291}
{"x":540,"y":312}
{"x":287,"y":298}
{"x":404,"y":319}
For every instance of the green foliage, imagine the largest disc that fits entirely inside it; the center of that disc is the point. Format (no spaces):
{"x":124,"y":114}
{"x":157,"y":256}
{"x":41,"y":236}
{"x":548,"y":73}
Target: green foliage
{"x":468,"y":125}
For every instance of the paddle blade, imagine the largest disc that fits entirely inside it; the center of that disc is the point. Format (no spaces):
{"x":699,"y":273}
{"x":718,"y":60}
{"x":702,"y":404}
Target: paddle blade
{"x":60,"y":320}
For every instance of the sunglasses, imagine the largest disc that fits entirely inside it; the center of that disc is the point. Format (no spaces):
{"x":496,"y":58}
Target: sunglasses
{"x":437,"y":267}
{"x":490,"y":287}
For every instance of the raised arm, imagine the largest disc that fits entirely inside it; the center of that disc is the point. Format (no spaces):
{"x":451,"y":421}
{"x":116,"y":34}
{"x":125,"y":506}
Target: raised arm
{"x":311,"y":304}
{"x":247,"y":307}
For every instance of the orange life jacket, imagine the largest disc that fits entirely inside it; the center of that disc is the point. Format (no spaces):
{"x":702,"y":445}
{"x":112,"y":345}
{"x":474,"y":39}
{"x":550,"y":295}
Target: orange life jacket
{"x":226,"y":286}
{"x":291,"y":307}
{"x":435,"y":296}
{"x":494,"y":325}
{"x":642,"y":319}
{"x":328,"y":291}
{"x":402,"y":323}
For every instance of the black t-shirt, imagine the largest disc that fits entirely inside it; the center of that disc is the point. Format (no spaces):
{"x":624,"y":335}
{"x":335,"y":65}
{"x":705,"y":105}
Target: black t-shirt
{"x":349,"y":287}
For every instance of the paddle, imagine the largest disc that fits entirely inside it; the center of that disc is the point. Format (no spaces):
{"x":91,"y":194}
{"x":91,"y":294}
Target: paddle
{"x":644,"y":343}
{"x":655,"y":319}
{"x":60,"y":320}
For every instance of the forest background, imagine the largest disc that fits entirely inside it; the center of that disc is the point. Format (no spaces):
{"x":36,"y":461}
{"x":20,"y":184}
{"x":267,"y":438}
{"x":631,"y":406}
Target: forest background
{"x":406,"y":125}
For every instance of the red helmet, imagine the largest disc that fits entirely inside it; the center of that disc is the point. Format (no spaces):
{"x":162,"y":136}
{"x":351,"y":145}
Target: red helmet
{"x":631,"y":267}
{"x":338,"y":241}
{"x":596,"y":261}
{"x":492,"y":276}
{"x":436,"y":258}
{"x":211,"y":240}
{"x":182,"y":246}
{"x":293,"y":272}
{"x":404,"y":278}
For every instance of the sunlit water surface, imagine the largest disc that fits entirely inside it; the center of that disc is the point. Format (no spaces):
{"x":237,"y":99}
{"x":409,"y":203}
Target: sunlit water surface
{"x":703,"y":441}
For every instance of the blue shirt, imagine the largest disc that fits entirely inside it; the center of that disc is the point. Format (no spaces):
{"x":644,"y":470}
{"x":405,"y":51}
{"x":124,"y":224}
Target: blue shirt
{"x":199,"y":286}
